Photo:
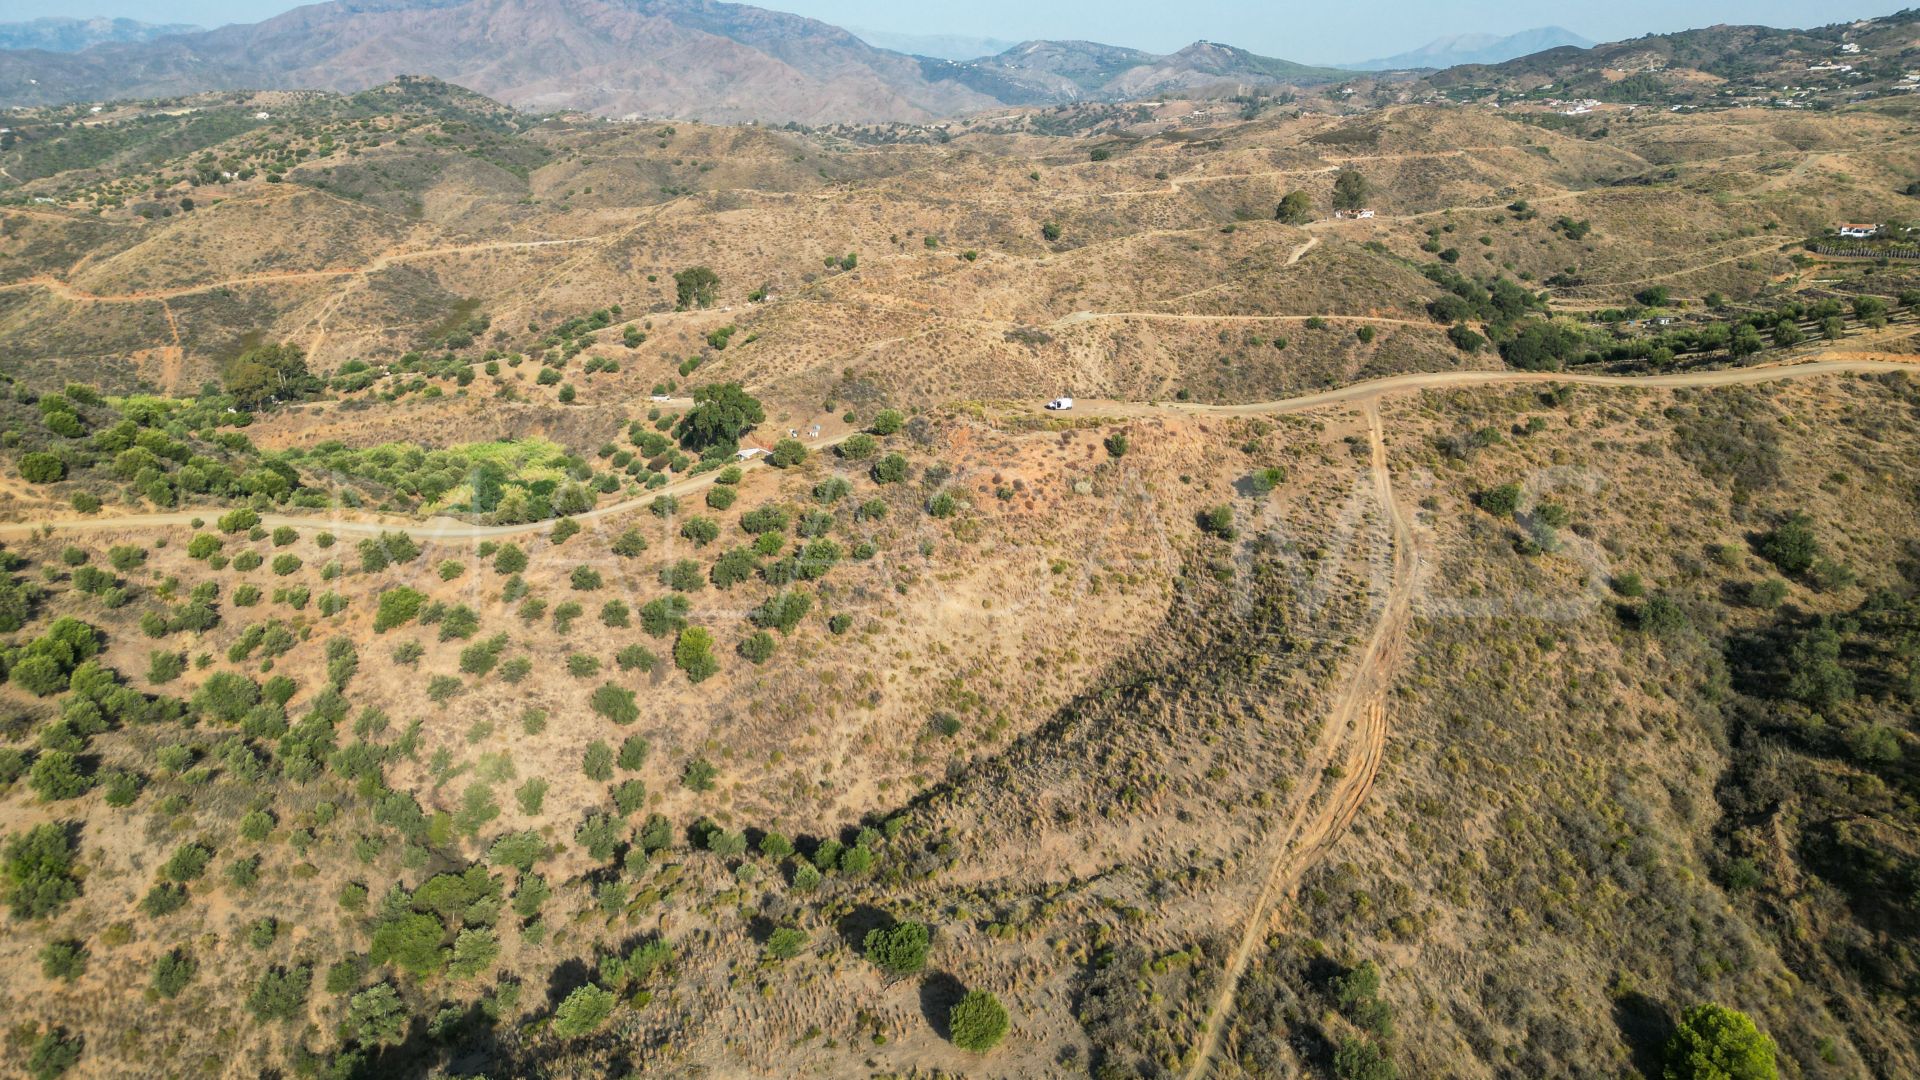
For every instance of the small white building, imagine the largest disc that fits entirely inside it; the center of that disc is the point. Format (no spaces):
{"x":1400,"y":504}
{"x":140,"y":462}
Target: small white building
{"x":1353,"y":215}
{"x":748,"y":453}
{"x":1857,"y":231}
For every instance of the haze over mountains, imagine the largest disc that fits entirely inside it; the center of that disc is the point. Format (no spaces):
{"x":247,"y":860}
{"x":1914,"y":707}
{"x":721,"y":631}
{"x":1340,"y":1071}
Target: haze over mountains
{"x":56,"y":34}
{"x":1458,"y":49}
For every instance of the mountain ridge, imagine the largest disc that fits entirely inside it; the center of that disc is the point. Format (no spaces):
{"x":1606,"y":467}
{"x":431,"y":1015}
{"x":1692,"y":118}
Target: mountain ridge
{"x":696,"y":59}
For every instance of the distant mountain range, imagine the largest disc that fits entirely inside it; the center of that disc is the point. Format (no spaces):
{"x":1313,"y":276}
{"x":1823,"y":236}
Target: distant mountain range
{"x":729,"y":63}
{"x":56,"y":34}
{"x":938,"y":46}
{"x":1459,"y":49}
{"x":668,"y":58}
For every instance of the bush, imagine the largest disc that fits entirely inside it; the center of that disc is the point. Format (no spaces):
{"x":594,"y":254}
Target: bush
{"x":398,"y":606}
{"x":785,"y":943}
{"x":509,"y":559}
{"x":1792,"y":546}
{"x":1359,"y":1059}
{"x":701,"y":530}
{"x":38,"y":867}
{"x":693,"y":654}
{"x":616,"y":704}
{"x":977,"y":1022}
{"x":699,"y":775}
{"x":281,"y":993}
{"x":1714,"y":1042}
{"x":410,"y":942}
{"x":891,"y":469}
{"x":764,"y":519}
{"x":787,"y":453}
{"x":757,"y":647}
{"x":597,"y":763}
{"x":1219,"y":522}
{"x":63,"y":959}
{"x":585,"y":1010}
{"x":900,"y":949}
{"x":39,"y":467}
{"x":1501,"y":501}
{"x":53,"y":1054}
{"x":172,"y":971}
{"x":376,"y":1016}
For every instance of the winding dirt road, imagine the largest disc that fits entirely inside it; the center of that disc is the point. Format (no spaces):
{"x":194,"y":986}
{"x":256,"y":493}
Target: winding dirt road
{"x":444,"y":528}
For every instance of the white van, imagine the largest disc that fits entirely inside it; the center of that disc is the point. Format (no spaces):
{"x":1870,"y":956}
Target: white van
{"x":1060,"y":404}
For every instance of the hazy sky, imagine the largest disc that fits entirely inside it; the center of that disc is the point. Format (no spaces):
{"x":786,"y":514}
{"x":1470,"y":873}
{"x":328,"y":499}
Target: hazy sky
{"x":1311,"y":32}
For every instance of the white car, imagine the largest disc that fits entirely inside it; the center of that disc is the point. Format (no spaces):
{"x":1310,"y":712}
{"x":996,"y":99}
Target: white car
{"x":1060,"y":404}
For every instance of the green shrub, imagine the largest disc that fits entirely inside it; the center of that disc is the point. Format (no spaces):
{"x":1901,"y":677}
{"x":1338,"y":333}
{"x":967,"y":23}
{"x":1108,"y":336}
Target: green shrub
{"x":281,"y":993}
{"x":53,"y":1054}
{"x":63,"y":959}
{"x":597,"y":763}
{"x":38,"y":868}
{"x":900,"y":949}
{"x":398,"y":606}
{"x":757,"y":647}
{"x":693,"y":654}
{"x":785,"y":943}
{"x":699,"y":775}
{"x":585,"y":1010}
{"x":616,"y":704}
{"x":39,"y":467}
{"x":977,"y":1022}
{"x":1714,"y":1042}
{"x":172,"y":971}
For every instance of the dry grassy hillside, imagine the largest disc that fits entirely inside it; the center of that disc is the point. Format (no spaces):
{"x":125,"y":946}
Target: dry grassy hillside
{"x":532,"y":225}
{"x":400,"y":674}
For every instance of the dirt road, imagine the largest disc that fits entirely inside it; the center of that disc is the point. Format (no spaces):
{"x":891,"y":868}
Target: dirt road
{"x":1357,"y":732}
{"x":454,"y":529}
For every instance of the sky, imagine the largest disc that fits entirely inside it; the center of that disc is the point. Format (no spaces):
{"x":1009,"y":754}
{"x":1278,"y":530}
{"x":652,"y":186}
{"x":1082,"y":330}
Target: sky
{"x":1307,"y":32}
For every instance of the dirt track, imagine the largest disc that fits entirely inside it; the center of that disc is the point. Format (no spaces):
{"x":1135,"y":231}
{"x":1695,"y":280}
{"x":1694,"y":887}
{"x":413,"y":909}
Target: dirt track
{"x":454,"y":529}
{"x":1356,"y":731}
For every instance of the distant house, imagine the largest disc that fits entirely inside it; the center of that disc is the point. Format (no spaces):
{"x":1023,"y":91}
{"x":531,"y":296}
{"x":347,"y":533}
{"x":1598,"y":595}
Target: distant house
{"x":748,"y":453}
{"x":1856,"y":231}
{"x":1353,"y":215}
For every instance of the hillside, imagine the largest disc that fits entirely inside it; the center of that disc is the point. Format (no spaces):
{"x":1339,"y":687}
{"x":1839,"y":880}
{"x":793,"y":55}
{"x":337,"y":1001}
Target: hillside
{"x":1715,"y":65}
{"x":1036,"y":72}
{"x":496,"y":594}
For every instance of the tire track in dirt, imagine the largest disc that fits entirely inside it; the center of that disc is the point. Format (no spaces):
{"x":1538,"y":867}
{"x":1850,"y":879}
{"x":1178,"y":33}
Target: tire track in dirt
{"x":1358,"y":721}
